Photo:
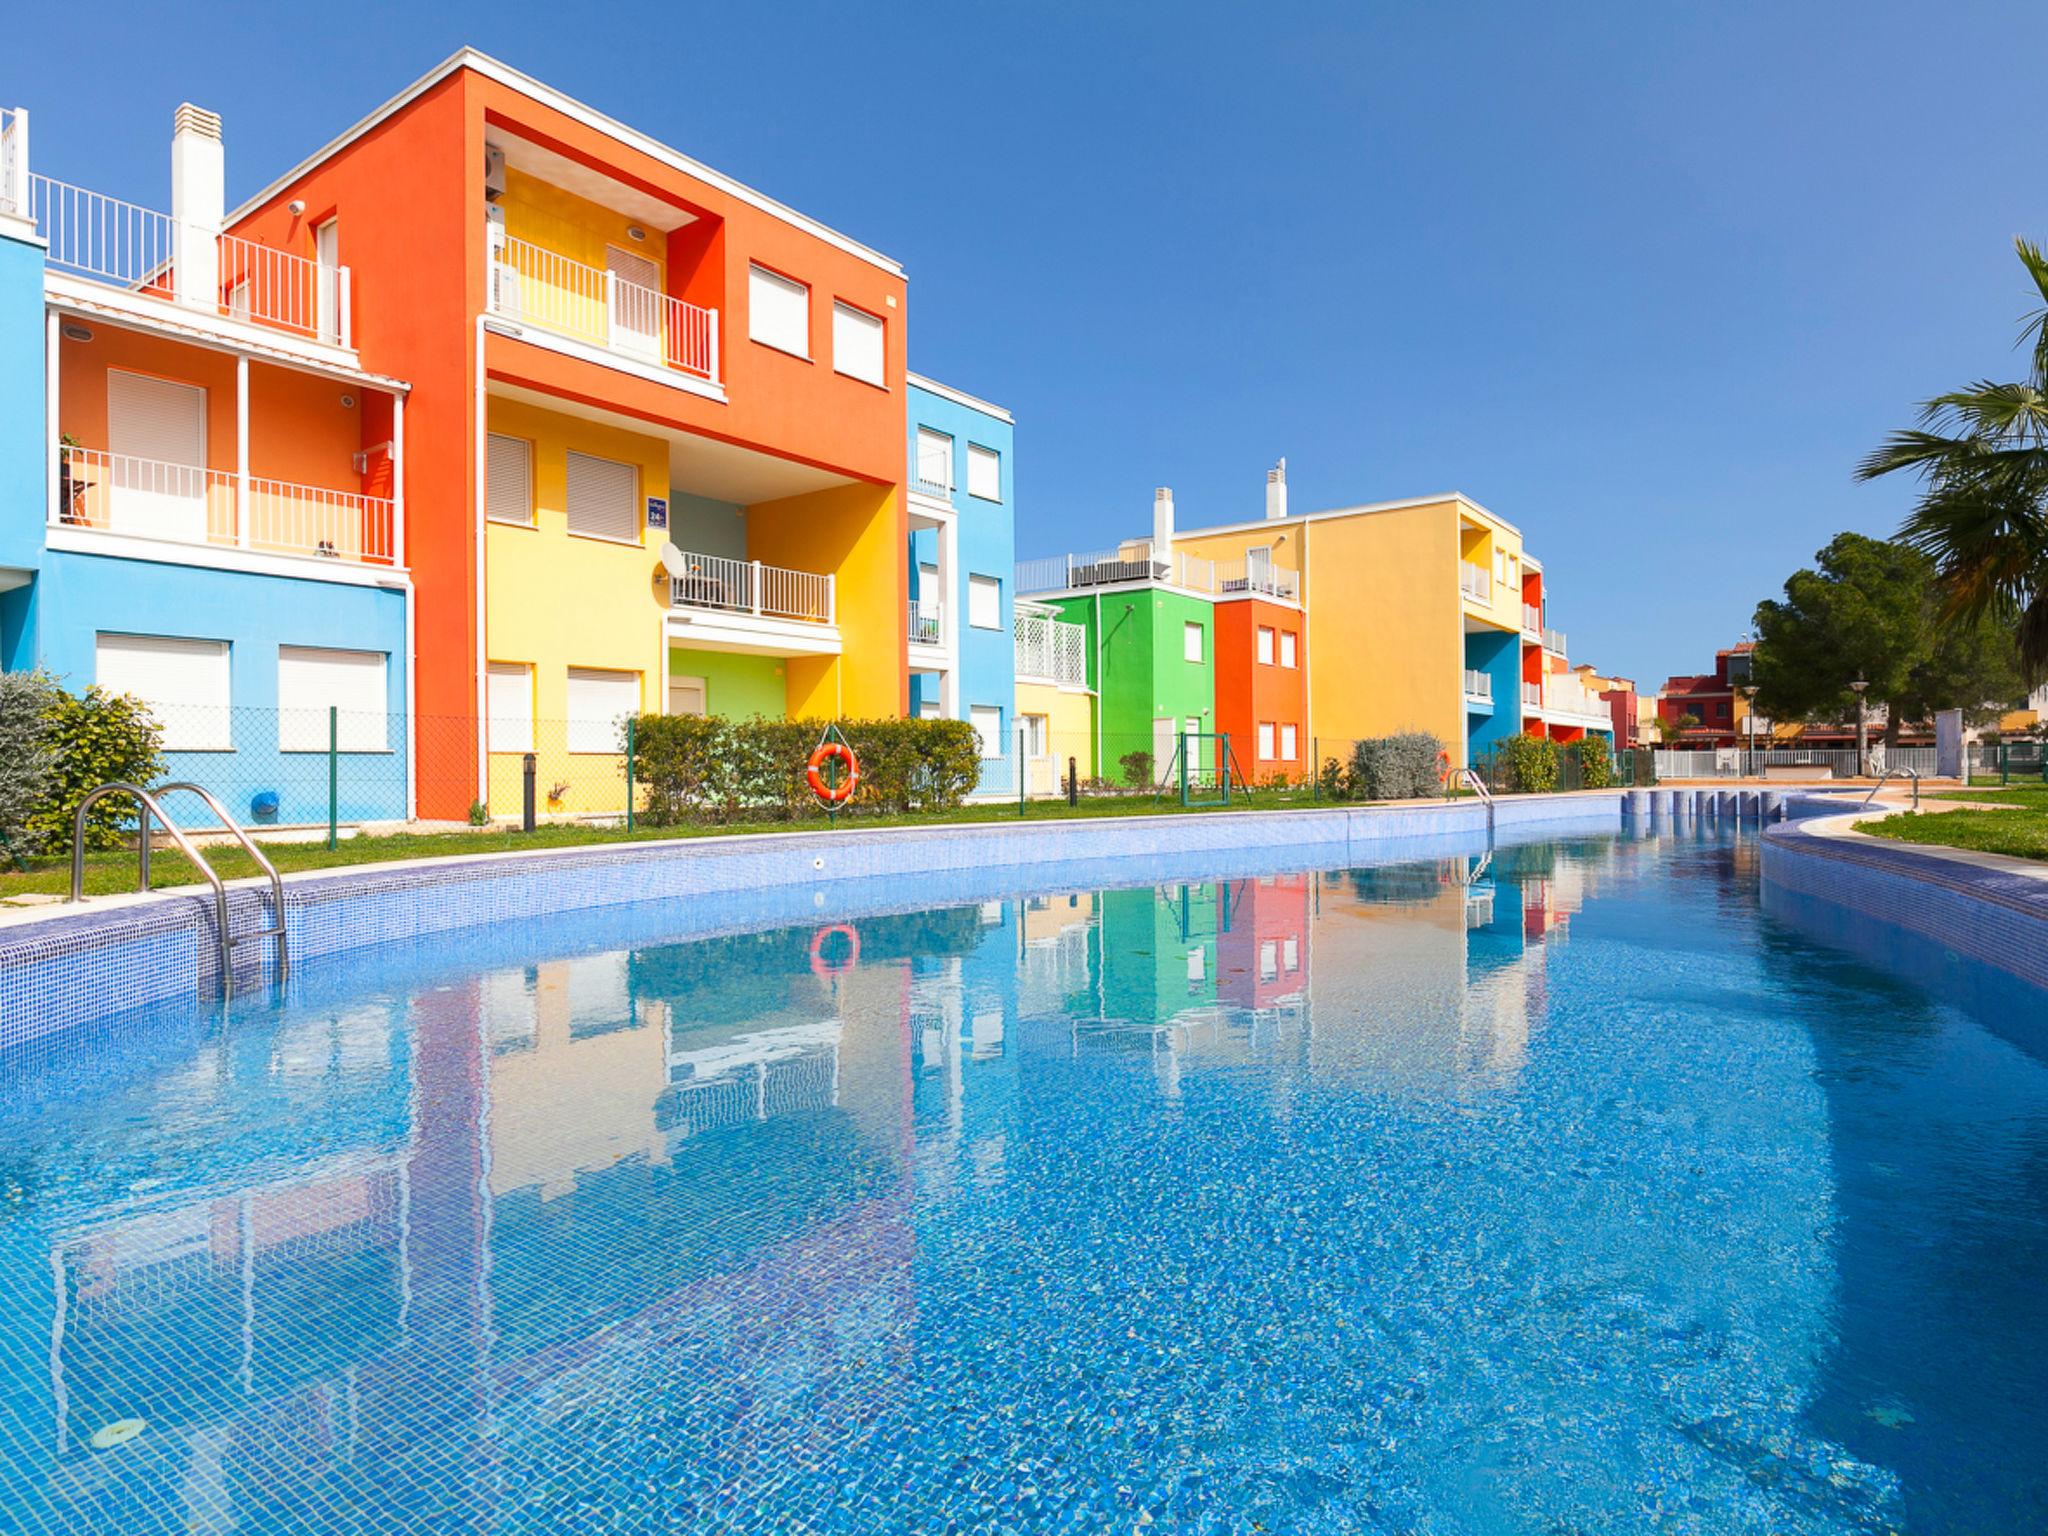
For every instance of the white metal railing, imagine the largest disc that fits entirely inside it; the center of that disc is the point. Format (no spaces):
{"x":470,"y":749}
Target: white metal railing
{"x":1553,"y":640}
{"x":1572,"y":698}
{"x":1257,"y":575}
{"x":103,"y":237}
{"x":926,"y":623}
{"x":1128,"y":562}
{"x":190,"y":504}
{"x":1051,"y":650}
{"x":1478,"y":685}
{"x":1532,"y":695}
{"x":536,"y":286}
{"x":1475,"y":581}
{"x":748,"y":586}
{"x":1532,"y":619}
{"x":274,"y":287}
{"x":14,"y":161}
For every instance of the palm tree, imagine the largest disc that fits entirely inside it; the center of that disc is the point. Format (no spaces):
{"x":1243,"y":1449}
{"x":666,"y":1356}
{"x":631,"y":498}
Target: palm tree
{"x":1983,"y":517}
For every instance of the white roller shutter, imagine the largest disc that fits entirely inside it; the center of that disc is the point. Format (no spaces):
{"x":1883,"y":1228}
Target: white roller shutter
{"x":934,"y":458}
{"x":636,"y":302}
{"x":598,"y":702}
{"x":156,"y":434}
{"x":603,"y":498}
{"x":984,"y":473}
{"x":984,"y":602}
{"x":510,"y":698}
{"x":987,"y":721}
{"x":778,"y":311}
{"x":312,"y":680}
{"x":508,"y":480}
{"x":857,"y":344}
{"x":183,"y":682}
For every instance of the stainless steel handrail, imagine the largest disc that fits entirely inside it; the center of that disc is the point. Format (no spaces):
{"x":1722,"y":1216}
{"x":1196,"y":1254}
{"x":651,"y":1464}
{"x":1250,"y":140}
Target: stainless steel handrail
{"x":234,"y":829}
{"x":1471,"y":777}
{"x":1892,"y":773}
{"x":148,"y":806}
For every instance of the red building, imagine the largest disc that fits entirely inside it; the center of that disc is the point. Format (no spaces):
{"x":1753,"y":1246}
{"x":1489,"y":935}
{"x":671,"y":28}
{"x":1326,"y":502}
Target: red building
{"x":1262,"y":940}
{"x":1262,"y":677}
{"x":1711,"y":699}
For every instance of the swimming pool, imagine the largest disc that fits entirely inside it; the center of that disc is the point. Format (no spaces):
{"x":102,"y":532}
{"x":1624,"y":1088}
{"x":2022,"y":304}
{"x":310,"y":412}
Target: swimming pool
{"x":1556,"y":1190}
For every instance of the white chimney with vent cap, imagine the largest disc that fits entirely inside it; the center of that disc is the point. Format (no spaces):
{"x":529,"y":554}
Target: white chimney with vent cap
{"x":1162,"y":523}
{"x":199,"y":200}
{"x":1276,"y":490}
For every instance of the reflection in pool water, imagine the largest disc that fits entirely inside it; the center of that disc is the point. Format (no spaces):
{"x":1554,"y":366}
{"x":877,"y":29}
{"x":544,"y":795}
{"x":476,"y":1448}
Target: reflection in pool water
{"x":1557,"y":1191}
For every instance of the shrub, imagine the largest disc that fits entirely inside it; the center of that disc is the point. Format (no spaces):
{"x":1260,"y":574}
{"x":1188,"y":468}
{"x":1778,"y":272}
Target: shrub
{"x":1399,"y":767}
{"x":1596,"y":762}
{"x":1137,"y":767}
{"x":1334,"y":780}
{"x":28,"y":756}
{"x":95,"y":737}
{"x":1525,"y":765}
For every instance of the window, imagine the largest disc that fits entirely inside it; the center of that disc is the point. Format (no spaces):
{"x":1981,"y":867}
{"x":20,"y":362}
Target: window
{"x":1286,"y":647}
{"x":598,"y":701}
{"x":984,"y":473}
{"x":1265,"y":646}
{"x":508,"y":480}
{"x":1034,"y":735}
{"x":987,"y":721}
{"x":984,"y":602}
{"x":1265,"y":741}
{"x":1191,"y":642}
{"x":311,"y":681}
{"x":857,"y":344}
{"x":934,"y":460}
{"x":156,"y":439}
{"x":778,"y":311}
{"x":1269,"y":960}
{"x":1198,"y":966}
{"x":1290,"y":952}
{"x":603,"y":498}
{"x":184,"y":683}
{"x":509,"y":695}
{"x":1288,"y":740}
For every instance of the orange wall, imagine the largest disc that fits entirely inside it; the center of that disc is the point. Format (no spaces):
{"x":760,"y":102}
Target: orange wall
{"x":1249,"y":691}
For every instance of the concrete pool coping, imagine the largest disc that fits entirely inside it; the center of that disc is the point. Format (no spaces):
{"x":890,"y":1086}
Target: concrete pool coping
{"x":67,"y":965}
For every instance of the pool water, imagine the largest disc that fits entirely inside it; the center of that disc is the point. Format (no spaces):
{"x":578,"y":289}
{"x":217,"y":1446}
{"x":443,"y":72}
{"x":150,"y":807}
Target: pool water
{"x":1557,"y":1191}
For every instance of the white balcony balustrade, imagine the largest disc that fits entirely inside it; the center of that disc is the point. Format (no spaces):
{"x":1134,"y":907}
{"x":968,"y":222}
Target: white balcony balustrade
{"x":1532,"y":695}
{"x":190,"y":504}
{"x":927,"y":623}
{"x":1475,"y":581}
{"x":1553,"y":640}
{"x":1532,"y":620}
{"x":1134,"y":561}
{"x":750,"y":587}
{"x":532,"y":285}
{"x":1478,"y":685}
{"x":1258,"y":575}
{"x":1050,"y":650}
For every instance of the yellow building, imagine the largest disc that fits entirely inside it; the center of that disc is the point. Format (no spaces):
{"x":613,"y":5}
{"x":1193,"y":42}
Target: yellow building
{"x":1056,"y":709}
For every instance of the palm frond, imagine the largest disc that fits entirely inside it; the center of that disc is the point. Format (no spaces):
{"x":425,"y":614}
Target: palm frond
{"x":2035,"y":332}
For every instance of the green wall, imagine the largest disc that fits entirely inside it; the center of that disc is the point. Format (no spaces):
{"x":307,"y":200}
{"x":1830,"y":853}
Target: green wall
{"x":1136,"y":665}
{"x":1146,"y":934}
{"x":735,"y":686}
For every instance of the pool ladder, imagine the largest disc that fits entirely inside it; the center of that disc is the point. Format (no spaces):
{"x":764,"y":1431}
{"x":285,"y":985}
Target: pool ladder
{"x":1896,"y":773}
{"x":149,"y":805}
{"x":1471,"y":777}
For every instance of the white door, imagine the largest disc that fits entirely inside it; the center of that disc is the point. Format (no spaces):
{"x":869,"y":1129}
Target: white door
{"x":686,"y":696}
{"x":636,"y":303}
{"x":156,"y":437}
{"x":327,"y":262}
{"x":1162,"y":749}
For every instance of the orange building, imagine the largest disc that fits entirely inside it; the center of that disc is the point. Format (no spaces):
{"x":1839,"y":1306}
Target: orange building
{"x":1262,"y":680}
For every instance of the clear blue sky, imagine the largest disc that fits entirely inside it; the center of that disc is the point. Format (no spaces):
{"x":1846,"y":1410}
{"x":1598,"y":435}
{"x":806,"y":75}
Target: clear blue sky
{"x":1644,"y":279}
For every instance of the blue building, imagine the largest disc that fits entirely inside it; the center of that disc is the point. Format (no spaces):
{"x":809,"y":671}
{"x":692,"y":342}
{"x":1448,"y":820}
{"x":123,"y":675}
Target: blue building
{"x":200,"y":489}
{"x":962,"y":502}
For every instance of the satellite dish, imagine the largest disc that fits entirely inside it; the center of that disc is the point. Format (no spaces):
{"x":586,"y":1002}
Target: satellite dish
{"x":674,"y":561}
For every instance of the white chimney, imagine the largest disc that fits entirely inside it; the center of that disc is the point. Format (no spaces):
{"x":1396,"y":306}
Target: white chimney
{"x":1162,"y":523}
{"x":199,"y":200}
{"x":1276,"y":490}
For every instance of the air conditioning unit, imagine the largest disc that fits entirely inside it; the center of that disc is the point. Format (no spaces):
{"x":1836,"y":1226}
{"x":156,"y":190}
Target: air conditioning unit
{"x":494,"y":173}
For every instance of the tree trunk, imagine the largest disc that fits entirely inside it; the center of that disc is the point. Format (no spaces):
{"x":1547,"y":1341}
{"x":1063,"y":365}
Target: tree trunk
{"x":1891,"y":730}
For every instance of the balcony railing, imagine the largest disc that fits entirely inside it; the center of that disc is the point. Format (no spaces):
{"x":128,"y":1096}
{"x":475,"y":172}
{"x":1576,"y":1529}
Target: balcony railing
{"x":1050,"y":650}
{"x":535,"y":286}
{"x":128,"y":246}
{"x":1478,"y":685}
{"x":1553,"y":640}
{"x":1532,"y":619}
{"x":1129,"y":562}
{"x":1566,"y":696}
{"x":1532,"y":695}
{"x":1475,"y":581}
{"x":190,"y":504}
{"x":927,"y":625}
{"x":1261,"y":576}
{"x":748,"y":586}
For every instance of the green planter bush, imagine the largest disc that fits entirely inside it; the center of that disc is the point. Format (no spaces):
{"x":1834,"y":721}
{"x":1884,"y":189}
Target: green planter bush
{"x":1406,"y":766}
{"x":94,"y":737}
{"x":1596,"y":762}
{"x":1525,"y":765}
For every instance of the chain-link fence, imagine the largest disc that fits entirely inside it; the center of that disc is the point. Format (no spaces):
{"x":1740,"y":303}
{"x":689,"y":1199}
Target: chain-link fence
{"x":2009,"y":761}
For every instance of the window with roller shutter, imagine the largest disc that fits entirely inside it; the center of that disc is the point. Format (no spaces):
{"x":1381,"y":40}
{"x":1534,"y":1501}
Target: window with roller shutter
{"x":603,"y":498}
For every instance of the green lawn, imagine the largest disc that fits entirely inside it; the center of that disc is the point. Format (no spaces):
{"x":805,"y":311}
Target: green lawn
{"x":106,"y":873}
{"x":2022,"y":832}
{"x":2033,"y":796}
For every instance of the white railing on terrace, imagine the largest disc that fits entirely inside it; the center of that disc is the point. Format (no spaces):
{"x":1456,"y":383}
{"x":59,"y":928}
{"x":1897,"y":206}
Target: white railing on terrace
{"x":190,"y":504}
{"x":1532,"y":695}
{"x":1475,"y":581}
{"x":136,"y":248}
{"x":748,"y":586}
{"x":536,"y":286}
{"x":1532,"y":619}
{"x":1051,"y":650}
{"x":14,"y":161}
{"x":1572,"y":698}
{"x":1478,"y":685}
{"x":1129,"y":562}
{"x":927,"y":625}
{"x":929,"y":479}
{"x":1258,"y":576}
{"x":1553,"y":640}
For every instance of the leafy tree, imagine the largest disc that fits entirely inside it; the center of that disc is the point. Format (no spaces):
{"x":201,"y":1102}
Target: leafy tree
{"x":1982,"y":454}
{"x":1873,"y":610}
{"x":97,"y":737}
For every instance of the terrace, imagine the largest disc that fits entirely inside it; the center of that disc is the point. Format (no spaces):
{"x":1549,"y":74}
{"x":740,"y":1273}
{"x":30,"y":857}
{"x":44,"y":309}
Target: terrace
{"x":1049,"y":650}
{"x":721,"y":604}
{"x":1131,"y":562}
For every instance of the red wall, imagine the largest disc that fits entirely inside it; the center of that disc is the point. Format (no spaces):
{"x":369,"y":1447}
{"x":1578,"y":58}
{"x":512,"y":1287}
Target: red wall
{"x":1249,"y":691}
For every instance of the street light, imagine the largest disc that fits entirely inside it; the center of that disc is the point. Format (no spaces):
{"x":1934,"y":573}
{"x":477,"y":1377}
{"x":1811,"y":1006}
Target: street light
{"x":1862,"y":736}
{"x":1748,"y":692}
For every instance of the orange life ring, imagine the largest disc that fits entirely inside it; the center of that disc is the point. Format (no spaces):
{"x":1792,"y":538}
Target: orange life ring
{"x":814,"y":773}
{"x":1443,"y":767}
{"x":824,"y":969}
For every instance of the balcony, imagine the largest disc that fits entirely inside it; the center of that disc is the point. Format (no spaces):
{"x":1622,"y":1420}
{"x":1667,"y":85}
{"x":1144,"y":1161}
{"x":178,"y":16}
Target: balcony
{"x":190,"y":504}
{"x":1532,"y":695}
{"x":927,"y":623}
{"x":533,"y":286}
{"x":1478,"y":686}
{"x":1049,"y":651}
{"x":1566,"y":696}
{"x":1532,"y":621}
{"x":140,"y":251}
{"x":1133,"y":561}
{"x":1553,"y":640}
{"x":1258,"y":576}
{"x":720,"y":604}
{"x":1475,"y":581}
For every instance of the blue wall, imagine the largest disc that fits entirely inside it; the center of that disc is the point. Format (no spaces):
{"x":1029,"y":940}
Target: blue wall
{"x":22,"y":466}
{"x":1498,"y":654}
{"x":82,"y":595}
{"x":987,"y":546}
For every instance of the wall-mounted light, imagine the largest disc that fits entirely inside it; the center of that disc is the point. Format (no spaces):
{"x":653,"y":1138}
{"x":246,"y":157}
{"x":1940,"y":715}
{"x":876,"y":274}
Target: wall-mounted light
{"x":635,"y":232}
{"x":296,"y":207}
{"x":75,"y":332}
{"x":348,"y":402}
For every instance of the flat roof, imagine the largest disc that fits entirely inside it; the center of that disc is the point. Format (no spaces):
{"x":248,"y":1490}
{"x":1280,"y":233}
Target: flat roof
{"x":961,"y":397}
{"x":1363,"y":509}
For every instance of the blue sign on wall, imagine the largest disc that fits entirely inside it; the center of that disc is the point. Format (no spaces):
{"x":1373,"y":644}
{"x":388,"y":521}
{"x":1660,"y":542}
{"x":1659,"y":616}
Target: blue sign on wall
{"x":657,"y":512}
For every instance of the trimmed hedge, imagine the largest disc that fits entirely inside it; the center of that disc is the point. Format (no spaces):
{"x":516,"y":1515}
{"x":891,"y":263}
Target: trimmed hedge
{"x":706,"y":767}
{"x":1406,"y":766}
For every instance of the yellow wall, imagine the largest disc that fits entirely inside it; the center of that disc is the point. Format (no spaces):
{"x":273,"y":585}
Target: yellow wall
{"x":858,"y":533}
{"x":557,"y":600}
{"x":1485,"y":541}
{"x":1283,"y":538}
{"x":1069,"y":730}
{"x":574,"y":227}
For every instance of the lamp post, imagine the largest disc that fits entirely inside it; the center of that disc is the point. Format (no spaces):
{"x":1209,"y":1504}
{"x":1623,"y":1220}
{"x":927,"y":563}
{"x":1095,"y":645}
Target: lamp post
{"x":1748,"y":691}
{"x":1862,"y":730}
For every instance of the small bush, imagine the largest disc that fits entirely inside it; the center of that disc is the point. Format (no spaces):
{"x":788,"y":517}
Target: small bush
{"x":1405,"y":766}
{"x":1525,"y":765}
{"x":1137,"y":767}
{"x":95,"y":737}
{"x":1596,"y":763}
{"x":28,"y":755}
{"x":1334,"y":780}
